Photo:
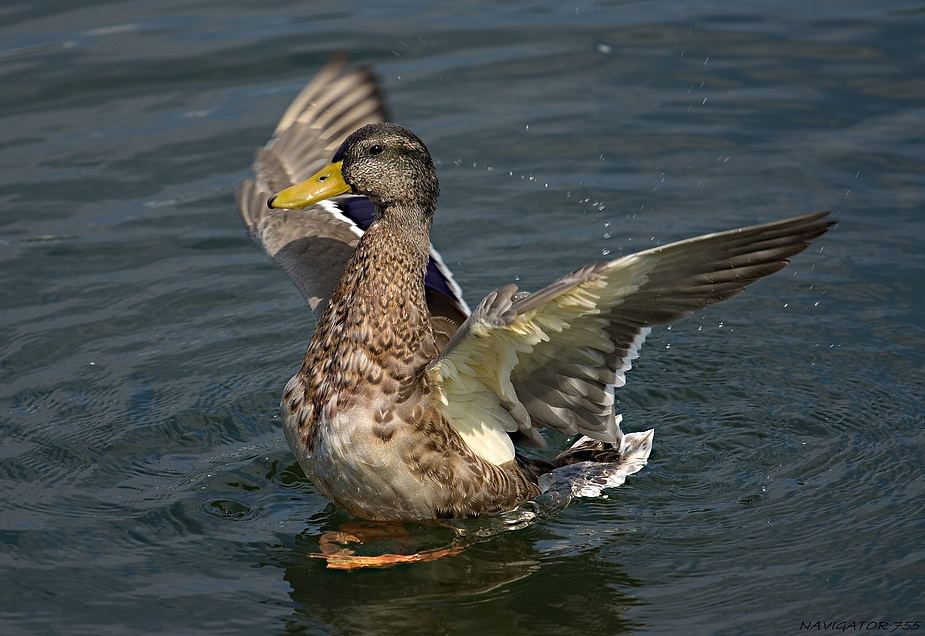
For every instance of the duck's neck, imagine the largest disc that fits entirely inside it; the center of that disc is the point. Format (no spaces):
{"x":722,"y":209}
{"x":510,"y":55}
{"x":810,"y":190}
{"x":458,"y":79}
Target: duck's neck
{"x":386,"y":273}
{"x":409,"y":226}
{"x":376,"y":329}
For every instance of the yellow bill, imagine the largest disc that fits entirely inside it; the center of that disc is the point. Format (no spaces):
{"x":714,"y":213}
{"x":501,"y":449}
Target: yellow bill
{"x":327,"y":183}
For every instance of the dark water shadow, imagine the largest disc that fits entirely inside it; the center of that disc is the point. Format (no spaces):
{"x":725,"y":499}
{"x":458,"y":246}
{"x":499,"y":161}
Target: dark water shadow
{"x":500,"y":581}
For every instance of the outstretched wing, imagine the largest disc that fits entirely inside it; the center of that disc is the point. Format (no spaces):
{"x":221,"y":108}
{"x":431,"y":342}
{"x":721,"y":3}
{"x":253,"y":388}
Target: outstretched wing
{"x":313,"y":244}
{"x":552,"y":359}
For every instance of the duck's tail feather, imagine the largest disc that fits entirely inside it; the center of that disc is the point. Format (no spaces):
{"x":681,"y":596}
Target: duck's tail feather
{"x":589,"y":466}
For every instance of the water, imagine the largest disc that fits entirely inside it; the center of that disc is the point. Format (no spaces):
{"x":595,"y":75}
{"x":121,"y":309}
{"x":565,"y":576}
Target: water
{"x":144,"y":340}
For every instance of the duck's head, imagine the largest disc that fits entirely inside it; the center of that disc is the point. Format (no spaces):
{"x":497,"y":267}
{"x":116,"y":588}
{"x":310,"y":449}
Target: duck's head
{"x":385,"y":162}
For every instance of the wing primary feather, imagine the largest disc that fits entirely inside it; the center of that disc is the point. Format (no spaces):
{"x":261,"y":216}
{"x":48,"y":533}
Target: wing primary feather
{"x":575,"y":340}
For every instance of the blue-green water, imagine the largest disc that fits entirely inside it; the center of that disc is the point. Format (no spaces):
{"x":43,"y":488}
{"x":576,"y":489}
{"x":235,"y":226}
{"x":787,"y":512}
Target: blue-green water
{"x":145,"y":485}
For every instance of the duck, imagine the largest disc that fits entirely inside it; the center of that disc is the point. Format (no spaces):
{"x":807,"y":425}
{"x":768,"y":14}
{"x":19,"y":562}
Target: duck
{"x":408,"y":405}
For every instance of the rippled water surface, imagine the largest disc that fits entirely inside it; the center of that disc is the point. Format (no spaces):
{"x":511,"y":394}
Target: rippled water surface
{"x":144,"y":340}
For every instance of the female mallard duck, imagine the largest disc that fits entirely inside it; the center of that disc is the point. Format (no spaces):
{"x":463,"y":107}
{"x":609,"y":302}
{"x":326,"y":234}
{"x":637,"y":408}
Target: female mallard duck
{"x":405,"y":407}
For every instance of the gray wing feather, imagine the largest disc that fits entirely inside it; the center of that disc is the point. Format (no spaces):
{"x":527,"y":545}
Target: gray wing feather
{"x":313,"y":244}
{"x":593,"y":320}
{"x":556,"y":383}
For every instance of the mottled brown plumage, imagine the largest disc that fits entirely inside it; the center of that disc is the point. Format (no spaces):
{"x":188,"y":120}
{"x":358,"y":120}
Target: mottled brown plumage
{"x":391,"y":422}
{"x":367,"y":357}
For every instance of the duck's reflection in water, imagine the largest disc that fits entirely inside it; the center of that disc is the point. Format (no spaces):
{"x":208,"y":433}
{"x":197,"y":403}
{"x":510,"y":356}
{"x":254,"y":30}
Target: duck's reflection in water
{"x":459,"y":576}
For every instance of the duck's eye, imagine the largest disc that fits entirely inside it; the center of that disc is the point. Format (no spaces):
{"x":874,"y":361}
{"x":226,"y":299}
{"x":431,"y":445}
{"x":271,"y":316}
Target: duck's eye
{"x":375,"y":150}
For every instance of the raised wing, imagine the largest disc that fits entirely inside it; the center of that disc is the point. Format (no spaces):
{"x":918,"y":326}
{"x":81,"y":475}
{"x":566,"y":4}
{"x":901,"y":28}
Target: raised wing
{"x":552,"y":359}
{"x":312,"y":245}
